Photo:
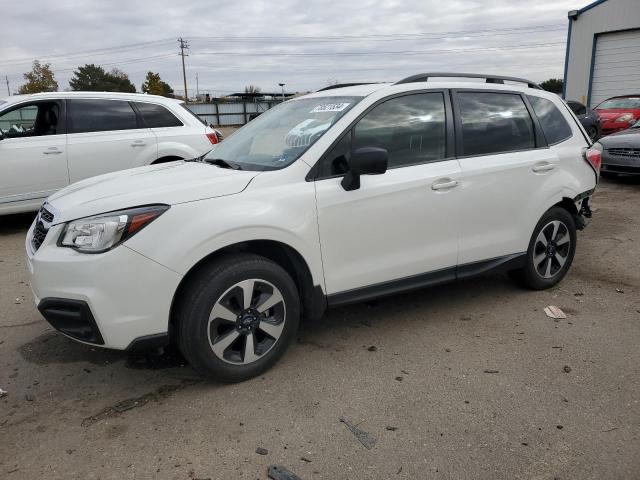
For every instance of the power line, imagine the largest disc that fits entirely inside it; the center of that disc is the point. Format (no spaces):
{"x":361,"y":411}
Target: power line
{"x":378,"y":52}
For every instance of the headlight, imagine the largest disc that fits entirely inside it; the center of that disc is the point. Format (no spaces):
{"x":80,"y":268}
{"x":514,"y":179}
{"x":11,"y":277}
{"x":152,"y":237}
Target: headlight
{"x":100,"y":233}
{"x":627,"y":117}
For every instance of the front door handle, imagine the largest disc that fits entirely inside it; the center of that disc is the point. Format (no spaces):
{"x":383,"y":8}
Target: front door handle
{"x":52,"y":151}
{"x":138,"y":143}
{"x":543,"y":167}
{"x":444,"y":185}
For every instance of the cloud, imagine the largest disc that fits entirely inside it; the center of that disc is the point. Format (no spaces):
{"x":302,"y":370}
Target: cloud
{"x":303,"y":44}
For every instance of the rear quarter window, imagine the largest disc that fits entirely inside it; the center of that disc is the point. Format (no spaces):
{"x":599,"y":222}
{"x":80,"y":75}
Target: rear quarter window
{"x":157,"y":116}
{"x":554,"y":126}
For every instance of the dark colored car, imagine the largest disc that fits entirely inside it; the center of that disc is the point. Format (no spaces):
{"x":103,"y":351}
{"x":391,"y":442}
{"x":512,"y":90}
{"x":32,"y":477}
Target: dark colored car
{"x":621,"y":151}
{"x":619,"y":113}
{"x":589,"y":119}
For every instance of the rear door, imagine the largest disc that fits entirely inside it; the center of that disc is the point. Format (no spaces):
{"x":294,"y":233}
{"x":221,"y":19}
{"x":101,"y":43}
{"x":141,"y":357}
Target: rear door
{"x":33,"y":154}
{"x":106,"y":135}
{"x":505,"y":168}
{"x":400,"y":224}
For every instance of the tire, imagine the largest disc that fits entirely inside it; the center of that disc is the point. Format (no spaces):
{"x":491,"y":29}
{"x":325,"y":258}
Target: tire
{"x":546,"y":265}
{"x":216,"y":332}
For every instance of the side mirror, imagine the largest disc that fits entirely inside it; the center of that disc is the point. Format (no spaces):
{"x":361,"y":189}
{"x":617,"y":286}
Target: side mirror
{"x":364,"y":161}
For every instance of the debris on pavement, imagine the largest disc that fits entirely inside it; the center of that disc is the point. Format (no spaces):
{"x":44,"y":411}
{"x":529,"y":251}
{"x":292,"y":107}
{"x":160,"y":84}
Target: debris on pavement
{"x":372,"y":348}
{"x":491,"y":371}
{"x":567,"y":369}
{"x":262,"y":451}
{"x":554,"y":312}
{"x":619,"y":290}
{"x":278,"y":472}
{"x":399,"y":379}
{"x":390,"y":428}
{"x":29,"y":397}
{"x":3,"y":393}
{"x":305,"y":459}
{"x":365,"y":439}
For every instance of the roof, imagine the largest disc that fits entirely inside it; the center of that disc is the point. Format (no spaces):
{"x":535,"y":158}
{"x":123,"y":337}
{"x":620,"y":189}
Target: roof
{"x":110,"y":95}
{"x":573,"y":14}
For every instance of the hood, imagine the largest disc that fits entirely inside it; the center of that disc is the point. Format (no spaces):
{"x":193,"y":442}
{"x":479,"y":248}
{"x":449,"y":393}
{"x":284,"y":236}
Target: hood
{"x":168,"y":183}
{"x":629,"y":138}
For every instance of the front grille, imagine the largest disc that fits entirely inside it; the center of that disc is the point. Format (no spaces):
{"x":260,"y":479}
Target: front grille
{"x":624,"y":152}
{"x":46,"y":215}
{"x":43,"y":223}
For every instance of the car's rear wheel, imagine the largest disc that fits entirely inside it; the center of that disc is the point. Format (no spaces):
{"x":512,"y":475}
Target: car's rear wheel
{"x":550,"y":252}
{"x":238,"y":317}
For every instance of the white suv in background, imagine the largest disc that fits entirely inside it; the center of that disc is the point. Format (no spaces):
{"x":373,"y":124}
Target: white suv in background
{"x":339,"y":196}
{"x":50,"y":140}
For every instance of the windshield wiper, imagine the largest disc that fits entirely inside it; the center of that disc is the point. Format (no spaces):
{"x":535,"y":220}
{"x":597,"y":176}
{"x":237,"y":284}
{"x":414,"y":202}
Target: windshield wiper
{"x":223,"y":163}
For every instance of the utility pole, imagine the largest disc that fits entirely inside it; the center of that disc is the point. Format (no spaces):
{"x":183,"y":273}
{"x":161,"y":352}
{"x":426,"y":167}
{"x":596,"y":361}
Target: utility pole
{"x":7,"y":80}
{"x":184,"y":45}
{"x":197,"y":87}
{"x":282,"y":85}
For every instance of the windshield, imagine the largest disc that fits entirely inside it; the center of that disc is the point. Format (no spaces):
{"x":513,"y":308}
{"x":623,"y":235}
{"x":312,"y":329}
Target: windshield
{"x":628,"y":103}
{"x":278,"y":137}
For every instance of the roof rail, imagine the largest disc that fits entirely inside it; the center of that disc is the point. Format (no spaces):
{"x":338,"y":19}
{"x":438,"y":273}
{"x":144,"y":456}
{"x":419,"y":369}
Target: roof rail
{"x":423,"y":77}
{"x":341,"y":85}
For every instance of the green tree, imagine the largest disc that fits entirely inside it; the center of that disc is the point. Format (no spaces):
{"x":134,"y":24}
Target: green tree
{"x":553,"y":85}
{"x":94,"y":78}
{"x":153,"y":85}
{"x":39,"y":79}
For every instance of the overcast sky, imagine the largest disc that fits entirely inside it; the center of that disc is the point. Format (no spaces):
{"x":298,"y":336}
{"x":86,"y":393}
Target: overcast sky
{"x":305,"y":44}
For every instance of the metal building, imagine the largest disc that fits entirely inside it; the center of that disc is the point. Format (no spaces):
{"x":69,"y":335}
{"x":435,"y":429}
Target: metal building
{"x":603,"y":51}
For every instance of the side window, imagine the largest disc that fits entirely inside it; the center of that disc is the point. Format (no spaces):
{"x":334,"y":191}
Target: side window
{"x":100,"y":116}
{"x":157,"y":116}
{"x":412,"y":128}
{"x":33,"y":120}
{"x":554,"y":126}
{"x":494,"y":123}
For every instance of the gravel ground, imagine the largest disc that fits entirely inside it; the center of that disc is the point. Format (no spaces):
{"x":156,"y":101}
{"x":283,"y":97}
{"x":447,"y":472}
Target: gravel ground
{"x":465,"y":381}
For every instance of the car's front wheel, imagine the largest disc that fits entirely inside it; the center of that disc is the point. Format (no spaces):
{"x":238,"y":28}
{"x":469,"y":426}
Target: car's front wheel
{"x":237,"y":317}
{"x":550,"y":252}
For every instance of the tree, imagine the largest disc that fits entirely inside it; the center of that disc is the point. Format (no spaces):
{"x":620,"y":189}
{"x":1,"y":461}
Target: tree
{"x":553,"y":85}
{"x":94,"y":78}
{"x":153,"y":85}
{"x":251,"y":90}
{"x":39,"y":79}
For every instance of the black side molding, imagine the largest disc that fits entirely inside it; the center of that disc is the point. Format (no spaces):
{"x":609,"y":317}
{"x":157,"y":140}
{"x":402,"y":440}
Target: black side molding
{"x":430,"y":279}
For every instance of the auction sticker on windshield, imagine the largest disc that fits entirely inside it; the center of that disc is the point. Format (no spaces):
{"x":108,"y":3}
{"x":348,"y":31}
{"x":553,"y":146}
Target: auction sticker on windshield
{"x":330,"y":107}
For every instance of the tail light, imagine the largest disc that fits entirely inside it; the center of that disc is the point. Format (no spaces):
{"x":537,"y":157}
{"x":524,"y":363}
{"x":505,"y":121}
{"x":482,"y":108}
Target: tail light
{"x":213,"y":138}
{"x":593,"y":155}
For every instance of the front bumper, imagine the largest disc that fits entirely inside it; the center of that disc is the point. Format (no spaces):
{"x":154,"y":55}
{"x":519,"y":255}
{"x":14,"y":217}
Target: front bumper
{"x":117,"y":299}
{"x":627,"y":164}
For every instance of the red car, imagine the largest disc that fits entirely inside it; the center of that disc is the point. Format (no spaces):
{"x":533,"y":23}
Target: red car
{"x":619,"y":113}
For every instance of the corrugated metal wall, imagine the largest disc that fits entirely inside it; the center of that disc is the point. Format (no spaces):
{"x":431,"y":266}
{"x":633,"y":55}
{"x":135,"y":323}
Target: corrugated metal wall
{"x":229,"y":113}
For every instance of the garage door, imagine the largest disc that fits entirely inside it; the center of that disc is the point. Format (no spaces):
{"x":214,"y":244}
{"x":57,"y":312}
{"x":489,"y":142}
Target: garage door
{"x":616,"y":69}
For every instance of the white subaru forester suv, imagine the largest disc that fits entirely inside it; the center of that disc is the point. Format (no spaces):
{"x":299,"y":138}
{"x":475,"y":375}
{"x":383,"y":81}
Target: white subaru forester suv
{"x":335,"y":197}
{"x":49,"y":140}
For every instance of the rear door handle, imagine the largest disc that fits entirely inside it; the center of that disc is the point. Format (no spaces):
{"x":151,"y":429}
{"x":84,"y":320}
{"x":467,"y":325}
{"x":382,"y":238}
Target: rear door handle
{"x":444,"y":185}
{"x":138,"y":143}
{"x":52,"y":151}
{"x":543,"y":167}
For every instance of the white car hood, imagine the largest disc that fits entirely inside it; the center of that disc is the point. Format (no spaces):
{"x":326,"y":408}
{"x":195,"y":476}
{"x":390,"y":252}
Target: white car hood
{"x":167,"y":183}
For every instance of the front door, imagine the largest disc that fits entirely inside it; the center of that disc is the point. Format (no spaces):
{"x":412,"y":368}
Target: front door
{"x":401,"y":224}
{"x":33,"y":153}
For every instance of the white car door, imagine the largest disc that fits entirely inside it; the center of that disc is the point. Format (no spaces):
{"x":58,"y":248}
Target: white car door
{"x":105,"y":136}
{"x":33,"y":154}
{"x":398,"y":225}
{"x":504,"y":174}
